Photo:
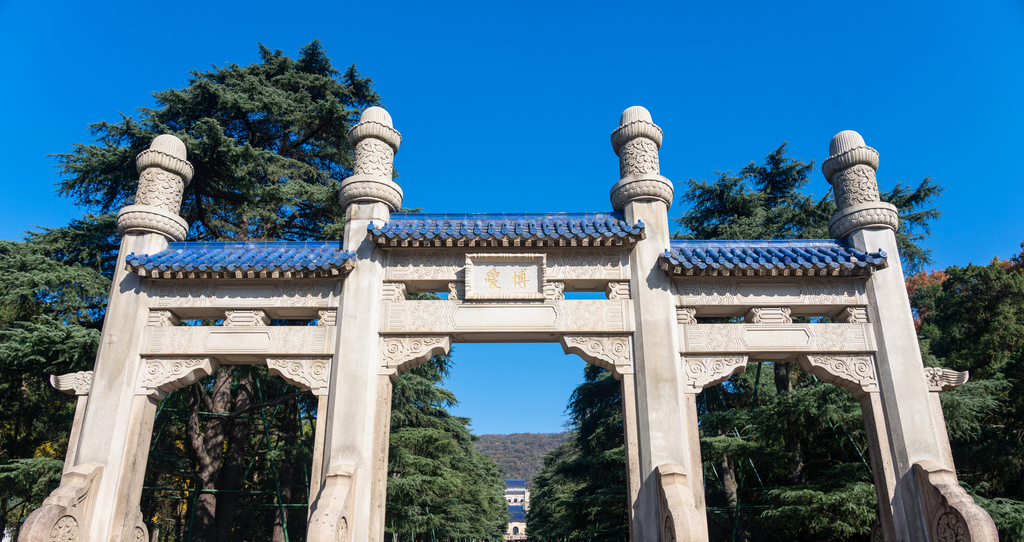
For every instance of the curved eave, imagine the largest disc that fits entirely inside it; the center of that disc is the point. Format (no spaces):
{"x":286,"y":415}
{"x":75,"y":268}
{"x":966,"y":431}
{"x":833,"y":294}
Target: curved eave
{"x":259,"y":260}
{"x":813,"y":257}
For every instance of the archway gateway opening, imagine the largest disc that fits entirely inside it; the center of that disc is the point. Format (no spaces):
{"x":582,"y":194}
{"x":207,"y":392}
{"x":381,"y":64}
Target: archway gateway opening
{"x":507,"y":275}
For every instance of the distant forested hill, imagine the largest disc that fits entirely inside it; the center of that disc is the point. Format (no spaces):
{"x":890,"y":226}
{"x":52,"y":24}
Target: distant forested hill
{"x":519,"y":455}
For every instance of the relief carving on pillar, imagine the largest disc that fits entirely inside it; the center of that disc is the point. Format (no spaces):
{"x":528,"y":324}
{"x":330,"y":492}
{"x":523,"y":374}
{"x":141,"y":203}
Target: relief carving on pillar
{"x":855,"y":185}
{"x":949,"y":511}
{"x":941,"y":379}
{"x":65,"y":514}
{"x":309,"y":373}
{"x":609,"y":352}
{"x":702,"y":372}
{"x":160,"y":376}
{"x":855,"y":374}
{"x":402,"y":353}
{"x":678,"y":507}
{"x":79,"y":383}
{"x":328,"y":514}
{"x":638,"y":156}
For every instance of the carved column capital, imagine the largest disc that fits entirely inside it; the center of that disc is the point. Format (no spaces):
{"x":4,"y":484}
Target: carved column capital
{"x":374,"y":141}
{"x":163,"y":175}
{"x":79,"y":383}
{"x":160,"y":376}
{"x":702,"y":372}
{"x":850,"y":169}
{"x":636,"y":141}
{"x":855,"y":374}
{"x":309,"y":373}
{"x":402,"y":353}
{"x":614,"y":353}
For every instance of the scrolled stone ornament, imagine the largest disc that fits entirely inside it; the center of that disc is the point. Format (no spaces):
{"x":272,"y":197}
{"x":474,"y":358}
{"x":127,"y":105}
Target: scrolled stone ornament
{"x":850,"y":169}
{"x":374,"y":141}
{"x":163,"y":175}
{"x":636,"y":141}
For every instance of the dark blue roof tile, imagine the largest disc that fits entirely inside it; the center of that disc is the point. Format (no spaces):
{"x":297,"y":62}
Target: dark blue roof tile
{"x":778,"y":257}
{"x":506,"y":229}
{"x":259,"y":259}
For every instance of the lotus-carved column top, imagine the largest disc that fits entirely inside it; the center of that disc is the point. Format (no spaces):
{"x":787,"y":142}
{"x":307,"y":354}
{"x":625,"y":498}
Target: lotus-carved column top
{"x":163,"y":175}
{"x":375,"y":142}
{"x":637,"y":141}
{"x":850,"y":168}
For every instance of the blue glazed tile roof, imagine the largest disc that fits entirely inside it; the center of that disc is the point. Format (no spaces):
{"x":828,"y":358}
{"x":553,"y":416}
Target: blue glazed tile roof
{"x":517,"y":516}
{"x":515,"y":482}
{"x":506,"y":229}
{"x":516,"y":508}
{"x":786,"y":257}
{"x":260,"y":259}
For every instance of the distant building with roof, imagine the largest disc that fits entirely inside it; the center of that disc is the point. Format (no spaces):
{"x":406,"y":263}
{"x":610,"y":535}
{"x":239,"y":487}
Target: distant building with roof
{"x":517,"y":495}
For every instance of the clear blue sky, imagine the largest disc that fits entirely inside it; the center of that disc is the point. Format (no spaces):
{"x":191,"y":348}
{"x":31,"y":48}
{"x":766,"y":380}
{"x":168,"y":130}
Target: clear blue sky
{"x":509,"y":106}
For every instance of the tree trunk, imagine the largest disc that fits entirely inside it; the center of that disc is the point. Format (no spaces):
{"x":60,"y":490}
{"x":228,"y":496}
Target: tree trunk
{"x":784,"y":385}
{"x":208,"y":448}
{"x":783,"y":382}
{"x":731,"y":486}
{"x":232,"y":470}
{"x":285,"y":469}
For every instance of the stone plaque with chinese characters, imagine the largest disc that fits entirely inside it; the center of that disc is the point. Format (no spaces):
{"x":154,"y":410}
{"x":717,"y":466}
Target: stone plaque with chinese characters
{"x":505,"y":276}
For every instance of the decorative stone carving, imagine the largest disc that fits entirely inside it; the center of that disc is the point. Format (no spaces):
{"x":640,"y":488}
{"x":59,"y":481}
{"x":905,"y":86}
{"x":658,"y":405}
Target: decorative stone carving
{"x":853,"y":315}
{"x":207,"y":299}
{"x":160,"y":376}
{"x":394,"y":291}
{"x":554,"y":290}
{"x":64,"y":515}
{"x":850,"y":169}
{"x":706,"y":371}
{"x":238,"y":344}
{"x":79,"y":383}
{"x":686,"y":315}
{"x":327,"y":317}
{"x":941,"y":379}
{"x":855,"y":374}
{"x":403,"y":353}
{"x":162,"y":319}
{"x":456,"y":291}
{"x":793,"y":338}
{"x":682,"y":519}
{"x":711,"y":291}
{"x":163,"y":175}
{"x":617,"y":290}
{"x":949,"y":511}
{"x":328,"y":517}
{"x":375,"y":142}
{"x":505,"y":276}
{"x":310,"y":373}
{"x":246,"y":318}
{"x":447,"y":318}
{"x":636,"y":141}
{"x":590,"y":315}
{"x":769,"y":315}
{"x":609,"y":352}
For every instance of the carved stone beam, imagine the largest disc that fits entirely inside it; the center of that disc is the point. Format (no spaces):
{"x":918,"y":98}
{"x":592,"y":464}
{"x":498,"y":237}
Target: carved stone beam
{"x":402,"y":353}
{"x":940,"y":379}
{"x":706,"y":371}
{"x":855,"y":374}
{"x":784,"y":338}
{"x":160,"y":376}
{"x":609,"y":352}
{"x":311,"y":373}
{"x":949,"y":512}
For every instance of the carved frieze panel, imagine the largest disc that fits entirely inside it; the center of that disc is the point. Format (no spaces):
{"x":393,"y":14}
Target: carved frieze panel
{"x":940,"y":379}
{"x":705,"y":371}
{"x":73,"y":383}
{"x":446,"y":317}
{"x":769,"y":315}
{"x":246,"y":318}
{"x":160,"y":376}
{"x":239,"y":344}
{"x":312,"y":373}
{"x":794,"y":338}
{"x":855,"y":374}
{"x":686,"y":315}
{"x":610,"y":352}
{"x":162,"y":318}
{"x":505,"y":276}
{"x":402,"y":353}
{"x":617,"y":290}
{"x":393,"y":291}
{"x":705,"y":291}
{"x":568,"y":265}
{"x":281,"y":299}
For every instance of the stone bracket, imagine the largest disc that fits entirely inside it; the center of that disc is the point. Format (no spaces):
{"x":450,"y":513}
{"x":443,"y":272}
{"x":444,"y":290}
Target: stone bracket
{"x":311,"y":373}
{"x":402,"y":353}
{"x":950,"y":513}
{"x":79,"y":383}
{"x":160,"y":376}
{"x":679,"y":518}
{"x":855,"y":374}
{"x":706,"y":371}
{"x":612,"y":352}
{"x":940,"y":379}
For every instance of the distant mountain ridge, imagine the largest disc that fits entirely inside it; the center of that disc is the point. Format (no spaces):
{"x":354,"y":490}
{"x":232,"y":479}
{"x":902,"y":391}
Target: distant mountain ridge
{"x":519,"y":455}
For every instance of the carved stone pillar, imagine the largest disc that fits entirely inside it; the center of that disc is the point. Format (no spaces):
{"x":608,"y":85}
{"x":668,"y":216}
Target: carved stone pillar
{"x":667,"y":432}
{"x":352,"y":491}
{"x":868,"y":224}
{"x":110,"y":459}
{"x":77,"y":384}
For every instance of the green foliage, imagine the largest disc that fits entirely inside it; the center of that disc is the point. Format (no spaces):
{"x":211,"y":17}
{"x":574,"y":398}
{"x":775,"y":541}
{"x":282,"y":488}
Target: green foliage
{"x":519,"y":455}
{"x":764,"y":201}
{"x":268,"y":141}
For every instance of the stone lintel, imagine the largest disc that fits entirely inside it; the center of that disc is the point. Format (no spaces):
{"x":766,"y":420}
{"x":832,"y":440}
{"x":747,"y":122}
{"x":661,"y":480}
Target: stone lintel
{"x":776,"y":338}
{"x":238,"y":344}
{"x":550,"y":316}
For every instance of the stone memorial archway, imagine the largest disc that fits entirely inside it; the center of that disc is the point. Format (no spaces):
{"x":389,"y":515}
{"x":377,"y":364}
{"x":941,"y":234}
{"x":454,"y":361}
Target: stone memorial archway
{"x":506,"y":275}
